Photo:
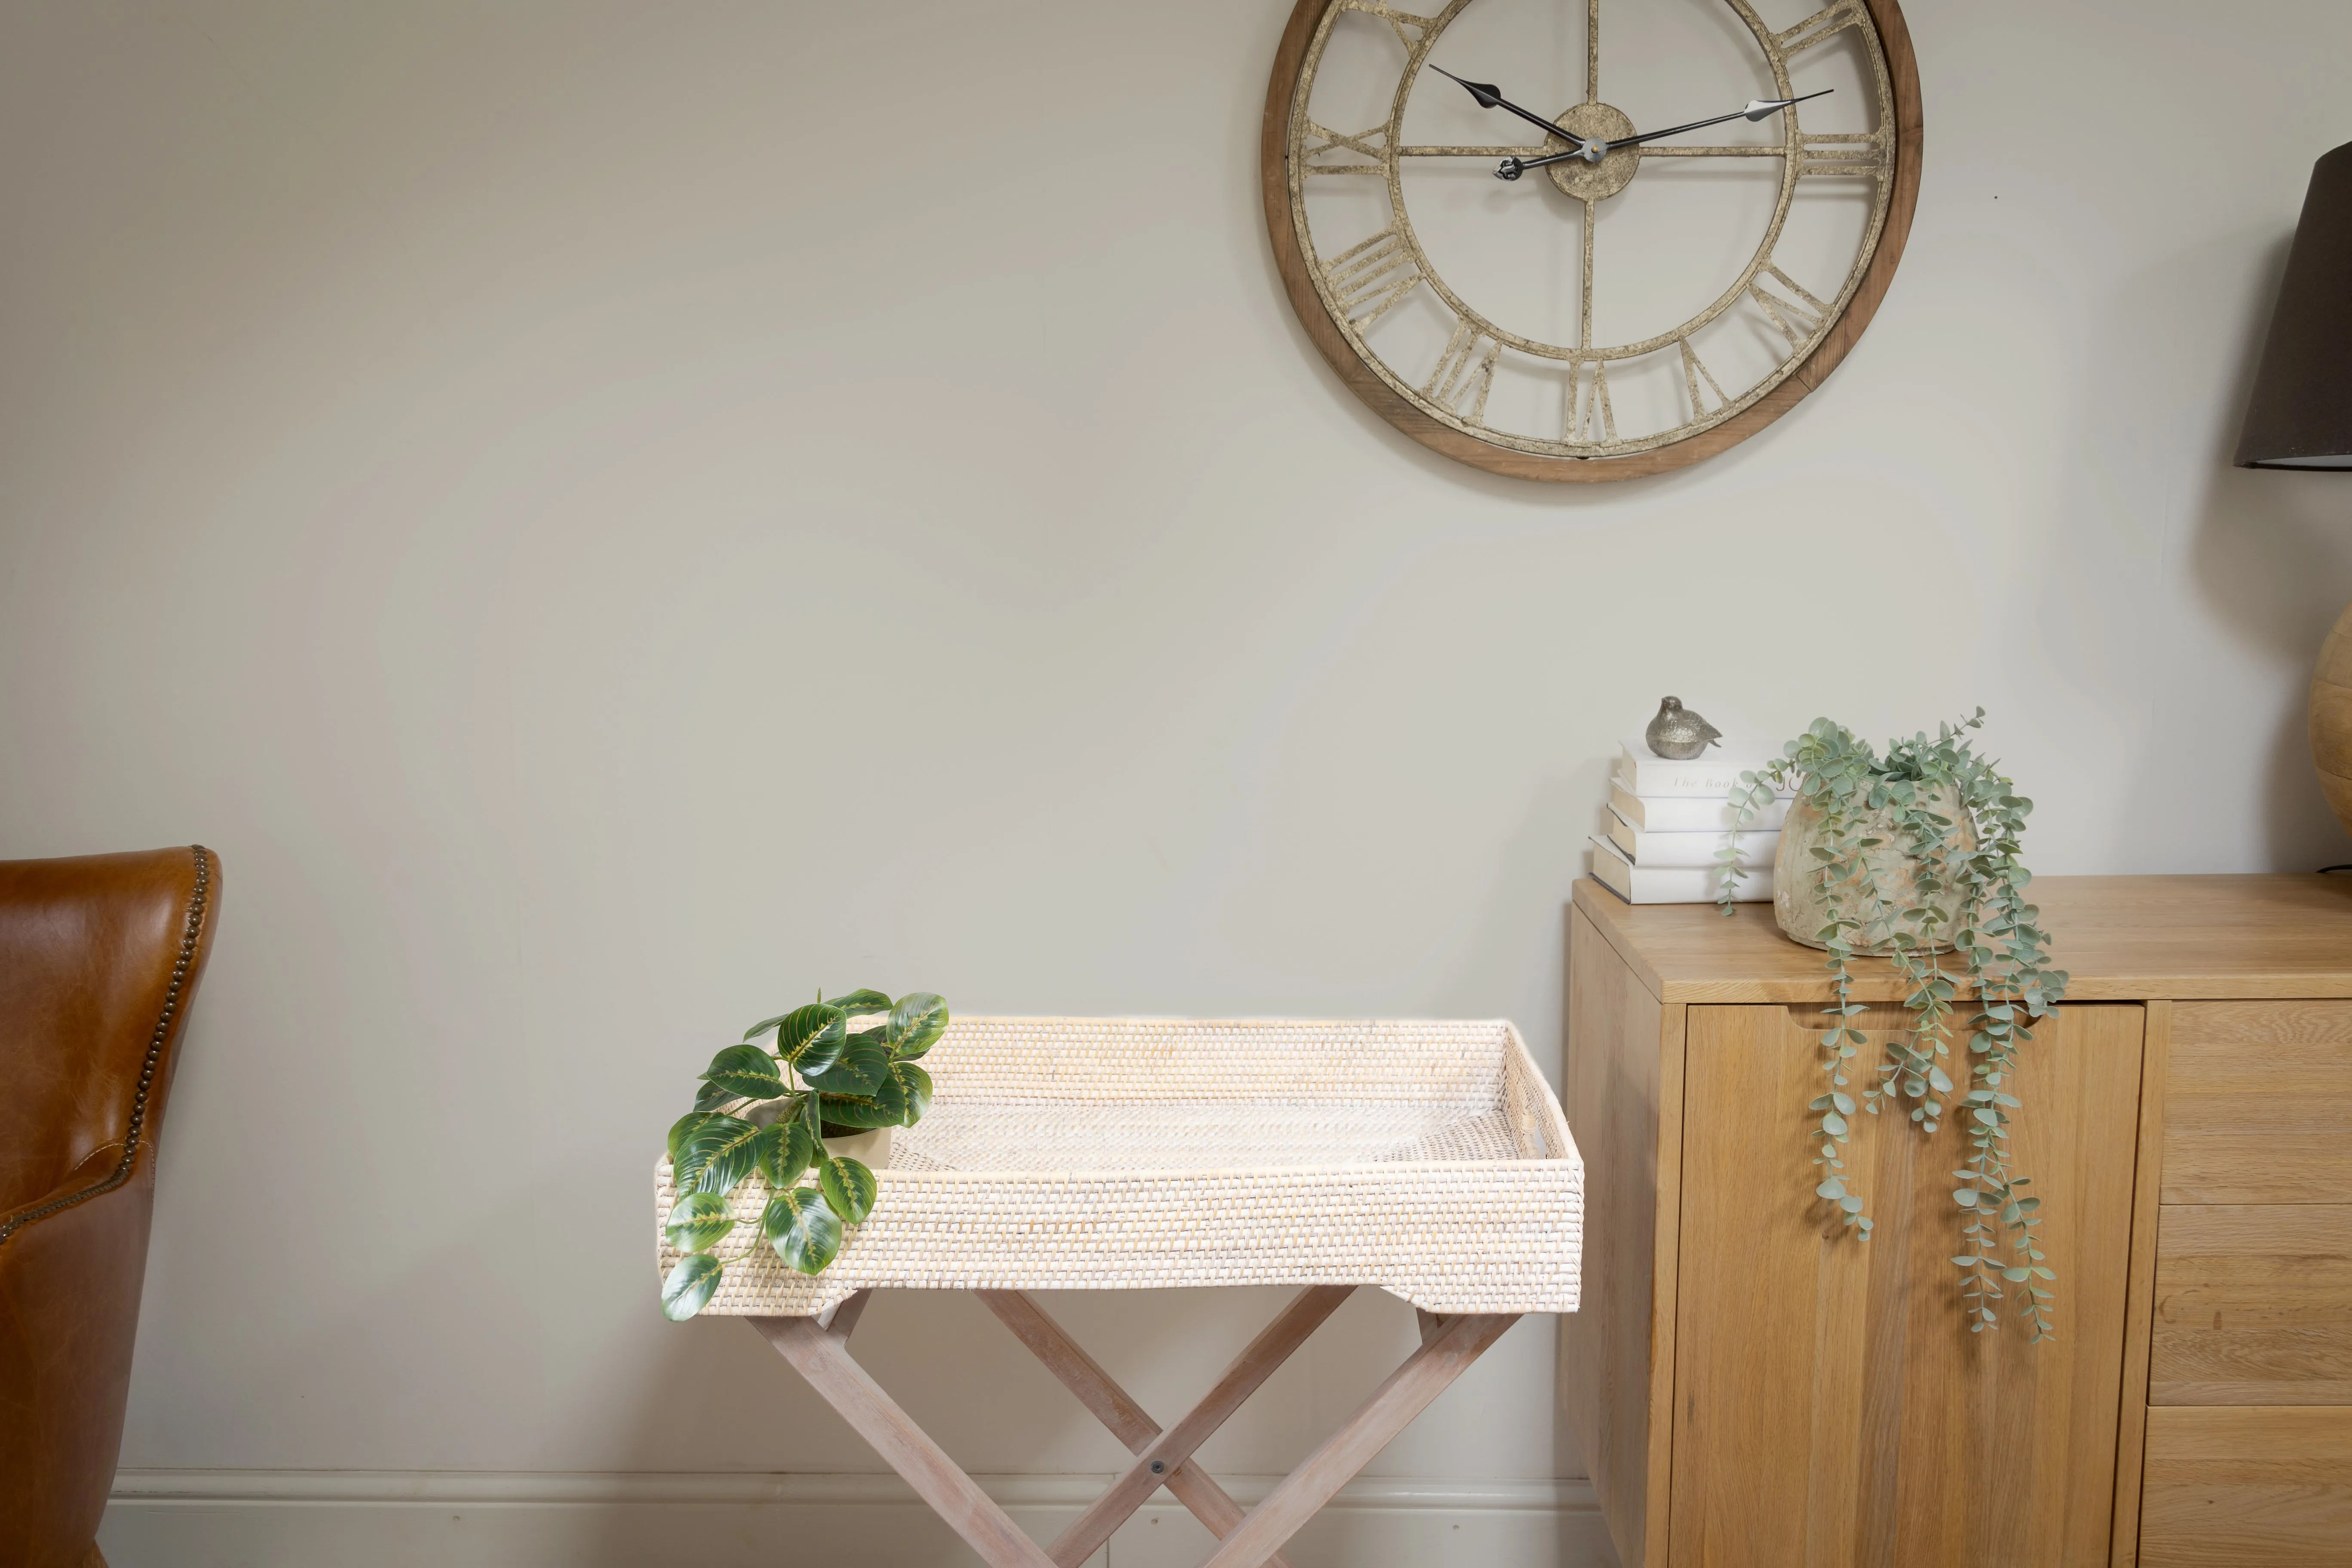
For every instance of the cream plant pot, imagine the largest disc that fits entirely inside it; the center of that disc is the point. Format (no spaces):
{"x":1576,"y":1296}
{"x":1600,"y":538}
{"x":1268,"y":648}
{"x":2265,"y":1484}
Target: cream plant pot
{"x":871,"y":1150}
{"x":1802,"y":905}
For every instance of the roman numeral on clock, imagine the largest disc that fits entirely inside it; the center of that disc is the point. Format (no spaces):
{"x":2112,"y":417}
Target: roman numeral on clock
{"x":1590,"y":418}
{"x":1693,"y":371}
{"x":1372,"y":144}
{"x":1820,"y":27}
{"x":1796,"y":313}
{"x":1464,"y":374}
{"x":1371,"y":278}
{"x":1398,"y":21}
{"x":1843,"y":153}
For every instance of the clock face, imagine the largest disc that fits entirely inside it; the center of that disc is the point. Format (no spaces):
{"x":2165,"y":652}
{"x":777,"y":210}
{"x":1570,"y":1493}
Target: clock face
{"x":1588,"y":239}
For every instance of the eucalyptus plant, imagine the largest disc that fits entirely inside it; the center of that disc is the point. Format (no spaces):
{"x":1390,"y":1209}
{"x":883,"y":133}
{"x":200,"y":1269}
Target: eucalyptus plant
{"x":1963,"y":893}
{"x":830,"y":1070}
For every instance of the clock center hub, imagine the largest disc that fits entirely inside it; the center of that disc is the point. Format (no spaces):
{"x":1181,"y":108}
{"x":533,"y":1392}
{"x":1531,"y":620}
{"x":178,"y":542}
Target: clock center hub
{"x":1583,"y":178}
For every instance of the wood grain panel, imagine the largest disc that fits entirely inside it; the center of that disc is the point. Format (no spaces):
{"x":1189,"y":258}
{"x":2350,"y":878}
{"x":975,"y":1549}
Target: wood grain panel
{"x":1831,"y":1407}
{"x":2253,"y":1306}
{"x":1623,"y":1093}
{"x":2120,"y":938}
{"x":2258,"y":1098}
{"x":2247,"y":1488}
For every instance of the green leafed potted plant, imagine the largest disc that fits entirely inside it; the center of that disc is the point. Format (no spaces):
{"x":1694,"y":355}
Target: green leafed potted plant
{"x":807,"y":1111}
{"x":1911,"y":856}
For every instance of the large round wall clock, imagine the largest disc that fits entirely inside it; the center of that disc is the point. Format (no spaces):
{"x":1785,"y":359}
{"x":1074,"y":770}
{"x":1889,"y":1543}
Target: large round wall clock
{"x":1588,"y":239}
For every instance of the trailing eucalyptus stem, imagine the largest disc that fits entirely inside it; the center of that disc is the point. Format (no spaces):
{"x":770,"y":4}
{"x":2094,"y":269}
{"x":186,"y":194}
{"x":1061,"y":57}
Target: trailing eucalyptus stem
{"x":1952,"y":881}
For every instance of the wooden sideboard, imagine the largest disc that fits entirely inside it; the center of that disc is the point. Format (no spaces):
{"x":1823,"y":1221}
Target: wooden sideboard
{"x":1754,"y":1386}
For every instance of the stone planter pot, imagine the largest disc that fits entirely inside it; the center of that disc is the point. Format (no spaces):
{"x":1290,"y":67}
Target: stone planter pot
{"x":868,"y":1148}
{"x":1800,"y":903}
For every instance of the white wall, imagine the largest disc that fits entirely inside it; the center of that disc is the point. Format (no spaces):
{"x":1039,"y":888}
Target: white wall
{"x":609,"y":517}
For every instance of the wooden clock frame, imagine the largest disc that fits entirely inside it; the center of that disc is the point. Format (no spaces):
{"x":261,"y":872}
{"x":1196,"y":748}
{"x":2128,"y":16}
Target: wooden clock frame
{"x":1297,"y":281}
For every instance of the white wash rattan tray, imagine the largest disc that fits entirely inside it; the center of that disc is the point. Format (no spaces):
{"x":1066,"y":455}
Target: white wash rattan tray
{"x":1428,"y":1158}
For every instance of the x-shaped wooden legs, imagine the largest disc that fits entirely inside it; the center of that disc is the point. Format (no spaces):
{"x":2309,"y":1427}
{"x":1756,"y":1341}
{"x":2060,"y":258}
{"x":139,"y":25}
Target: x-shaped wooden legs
{"x":1448,"y":1346}
{"x":1160,"y":1458}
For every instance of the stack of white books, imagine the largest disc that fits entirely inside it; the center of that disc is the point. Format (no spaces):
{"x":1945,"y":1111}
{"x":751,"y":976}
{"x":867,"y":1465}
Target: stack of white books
{"x":1665,"y":821}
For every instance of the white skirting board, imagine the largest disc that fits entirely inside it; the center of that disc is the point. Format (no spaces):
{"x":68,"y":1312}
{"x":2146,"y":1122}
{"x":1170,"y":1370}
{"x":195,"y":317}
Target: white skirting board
{"x":480,"y":1519}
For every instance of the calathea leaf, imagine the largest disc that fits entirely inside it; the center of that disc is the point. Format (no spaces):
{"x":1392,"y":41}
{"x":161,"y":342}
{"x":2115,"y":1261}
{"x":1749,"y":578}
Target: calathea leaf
{"x":763,"y":1026}
{"x":898,"y":1100}
{"x":803,"y":1229}
{"x":858,"y":1068}
{"x":917,"y":1021}
{"x":784,"y":1150}
{"x":850,"y":1188}
{"x":683,"y":1129}
{"x":810,"y":1037}
{"x":717,"y":1154}
{"x":916,"y":1084}
{"x":713,"y":1097}
{"x":857,"y":1004}
{"x":747,"y":1072}
{"x":699,"y":1222}
{"x":693,"y":1148}
{"x":884,"y":1108}
{"x":691,"y":1286}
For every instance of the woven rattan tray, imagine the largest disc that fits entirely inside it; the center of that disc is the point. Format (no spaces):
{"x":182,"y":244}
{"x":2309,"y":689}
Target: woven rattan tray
{"x":1428,"y":1158}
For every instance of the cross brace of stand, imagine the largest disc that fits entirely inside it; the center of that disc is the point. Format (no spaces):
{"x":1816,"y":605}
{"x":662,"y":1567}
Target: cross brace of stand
{"x":818,"y":1349}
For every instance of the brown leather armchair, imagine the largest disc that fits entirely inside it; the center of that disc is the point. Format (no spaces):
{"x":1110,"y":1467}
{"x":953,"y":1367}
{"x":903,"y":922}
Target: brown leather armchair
{"x":99,"y":957}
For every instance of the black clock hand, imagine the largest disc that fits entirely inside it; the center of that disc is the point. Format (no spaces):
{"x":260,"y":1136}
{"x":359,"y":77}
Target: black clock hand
{"x":1593,"y":152}
{"x":1757,"y":109}
{"x":1489,"y":98}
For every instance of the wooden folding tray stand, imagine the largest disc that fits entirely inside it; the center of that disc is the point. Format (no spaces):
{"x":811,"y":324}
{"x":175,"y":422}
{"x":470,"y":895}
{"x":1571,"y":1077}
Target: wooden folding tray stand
{"x":1428,"y":1158}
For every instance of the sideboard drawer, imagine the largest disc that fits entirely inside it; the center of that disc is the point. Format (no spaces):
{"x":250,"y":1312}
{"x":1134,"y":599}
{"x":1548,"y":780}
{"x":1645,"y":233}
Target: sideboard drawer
{"x":2261,"y":1487}
{"x":2258,"y":1103}
{"x":2253,"y":1306}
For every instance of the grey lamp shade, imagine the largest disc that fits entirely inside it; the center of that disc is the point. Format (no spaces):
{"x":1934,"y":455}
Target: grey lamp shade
{"x":2301,"y":416}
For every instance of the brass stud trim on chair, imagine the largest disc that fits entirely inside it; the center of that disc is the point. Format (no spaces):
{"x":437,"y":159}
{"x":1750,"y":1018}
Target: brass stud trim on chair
{"x":191,"y":933}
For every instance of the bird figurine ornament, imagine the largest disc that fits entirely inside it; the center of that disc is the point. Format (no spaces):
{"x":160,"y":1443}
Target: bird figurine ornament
{"x":1677,"y":734}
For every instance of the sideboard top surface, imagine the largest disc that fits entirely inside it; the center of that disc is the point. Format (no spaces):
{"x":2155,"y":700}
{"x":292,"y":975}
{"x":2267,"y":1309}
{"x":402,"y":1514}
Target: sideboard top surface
{"x":2120,"y":939}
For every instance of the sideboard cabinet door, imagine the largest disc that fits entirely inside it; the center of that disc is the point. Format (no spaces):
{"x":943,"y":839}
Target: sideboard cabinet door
{"x":1831,"y":1405}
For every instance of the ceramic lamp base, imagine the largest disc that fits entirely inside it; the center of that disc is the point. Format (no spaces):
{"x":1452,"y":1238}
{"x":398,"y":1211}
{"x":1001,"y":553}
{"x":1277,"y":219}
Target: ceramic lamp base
{"x":2331,"y":719}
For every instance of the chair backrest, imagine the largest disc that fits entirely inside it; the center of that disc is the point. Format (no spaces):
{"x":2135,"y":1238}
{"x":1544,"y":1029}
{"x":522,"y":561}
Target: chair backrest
{"x":100,"y":957}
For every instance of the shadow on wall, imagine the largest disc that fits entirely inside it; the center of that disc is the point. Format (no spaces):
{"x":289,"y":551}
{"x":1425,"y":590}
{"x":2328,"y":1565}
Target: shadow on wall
{"x":931,"y":1351}
{"x":2272,"y":553}
{"x":2269,"y":554}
